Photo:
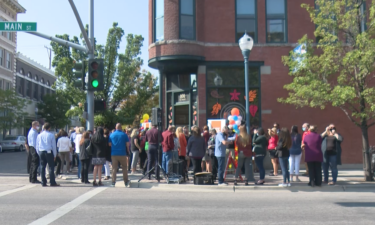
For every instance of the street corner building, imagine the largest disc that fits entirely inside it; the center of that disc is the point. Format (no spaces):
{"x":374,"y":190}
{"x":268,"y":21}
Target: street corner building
{"x":194,"y":45}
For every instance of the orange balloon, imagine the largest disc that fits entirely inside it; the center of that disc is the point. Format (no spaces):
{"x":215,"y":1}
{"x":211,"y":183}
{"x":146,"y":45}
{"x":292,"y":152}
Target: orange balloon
{"x":235,"y":112}
{"x":231,"y":122}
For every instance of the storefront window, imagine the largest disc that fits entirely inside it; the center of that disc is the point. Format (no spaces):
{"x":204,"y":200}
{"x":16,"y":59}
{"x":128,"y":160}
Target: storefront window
{"x":221,"y":99}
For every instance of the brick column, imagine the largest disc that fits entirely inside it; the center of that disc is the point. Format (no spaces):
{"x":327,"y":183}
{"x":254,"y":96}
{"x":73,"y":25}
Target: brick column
{"x":202,"y":99}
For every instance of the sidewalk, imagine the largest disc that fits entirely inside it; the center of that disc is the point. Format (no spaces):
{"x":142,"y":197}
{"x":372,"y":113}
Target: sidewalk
{"x":347,"y":179}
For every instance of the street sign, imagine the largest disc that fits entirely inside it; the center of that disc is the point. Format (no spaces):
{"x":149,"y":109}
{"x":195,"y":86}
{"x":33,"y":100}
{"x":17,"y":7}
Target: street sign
{"x":17,"y":26}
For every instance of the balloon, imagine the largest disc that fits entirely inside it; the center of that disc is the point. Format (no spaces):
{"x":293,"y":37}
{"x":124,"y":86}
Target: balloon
{"x":146,"y":116}
{"x":145,"y":121}
{"x":149,"y":120}
{"x":235,"y":127}
{"x":230,"y":166}
{"x":231,"y":122}
{"x":239,"y":118}
{"x":237,"y":131}
{"x":235,"y":112}
{"x":235,"y":118}
{"x":230,"y":118}
{"x":238,"y":122}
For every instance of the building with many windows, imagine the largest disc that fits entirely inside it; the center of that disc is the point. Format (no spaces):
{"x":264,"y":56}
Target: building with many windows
{"x":8,"y":43}
{"x":33,"y":82}
{"x":194,"y":45}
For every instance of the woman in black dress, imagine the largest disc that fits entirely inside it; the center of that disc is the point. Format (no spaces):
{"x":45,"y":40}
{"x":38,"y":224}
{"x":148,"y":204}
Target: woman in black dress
{"x":84,"y":156}
{"x":98,"y":149}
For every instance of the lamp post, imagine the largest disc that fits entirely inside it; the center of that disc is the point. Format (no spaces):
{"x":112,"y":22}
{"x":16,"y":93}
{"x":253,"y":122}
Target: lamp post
{"x":246,"y":44}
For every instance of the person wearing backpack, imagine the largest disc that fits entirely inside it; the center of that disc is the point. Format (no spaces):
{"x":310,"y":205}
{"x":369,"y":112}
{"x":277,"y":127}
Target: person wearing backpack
{"x":243,"y":142}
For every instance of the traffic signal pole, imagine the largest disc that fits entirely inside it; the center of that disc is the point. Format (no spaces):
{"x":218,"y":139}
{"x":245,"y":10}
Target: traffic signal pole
{"x":90,"y":94}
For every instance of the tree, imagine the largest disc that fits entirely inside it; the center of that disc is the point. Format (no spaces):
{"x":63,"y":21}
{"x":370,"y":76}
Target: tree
{"x":339,"y":69}
{"x":53,"y":109}
{"x":12,"y":110}
{"x":121,"y":73}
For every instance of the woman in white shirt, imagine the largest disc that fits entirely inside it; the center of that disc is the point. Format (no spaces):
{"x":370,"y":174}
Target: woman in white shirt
{"x":65,"y":147}
{"x":79,"y":132}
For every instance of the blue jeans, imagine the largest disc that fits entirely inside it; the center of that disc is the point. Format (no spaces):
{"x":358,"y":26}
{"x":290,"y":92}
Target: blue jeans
{"x":284,"y":168}
{"x":259,"y":162}
{"x":330,"y":161}
{"x":167,"y":156}
{"x":79,"y":166}
{"x":47,"y":158}
{"x":221,"y":169}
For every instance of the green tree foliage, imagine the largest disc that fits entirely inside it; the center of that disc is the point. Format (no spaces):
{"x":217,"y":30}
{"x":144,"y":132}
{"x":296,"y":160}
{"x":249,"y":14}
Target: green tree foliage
{"x":122,"y":76}
{"x":339,"y":69}
{"x":53,"y":109}
{"x":12,"y":110}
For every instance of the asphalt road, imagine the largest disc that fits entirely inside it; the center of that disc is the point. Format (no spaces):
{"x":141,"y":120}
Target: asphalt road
{"x":72,"y":203}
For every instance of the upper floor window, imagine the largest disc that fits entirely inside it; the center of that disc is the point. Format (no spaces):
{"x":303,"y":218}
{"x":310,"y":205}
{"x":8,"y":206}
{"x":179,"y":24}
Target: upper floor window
{"x":42,"y":80}
{"x":36,"y":78}
{"x":276,"y":21}
{"x":9,"y":36}
{"x":47,"y":83}
{"x":29,"y":75}
{"x":8,"y":86}
{"x":8,"y":60}
{"x":187,"y":19}
{"x":246,"y":18}
{"x":1,"y":56}
{"x":159,"y":20}
{"x":22,"y":72}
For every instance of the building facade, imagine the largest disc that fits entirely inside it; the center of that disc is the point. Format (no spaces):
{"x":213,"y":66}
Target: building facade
{"x":8,"y":44}
{"x":194,"y":45}
{"x":33,"y":82}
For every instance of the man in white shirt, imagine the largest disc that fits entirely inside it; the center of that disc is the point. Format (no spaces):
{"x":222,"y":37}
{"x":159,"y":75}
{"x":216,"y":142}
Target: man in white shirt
{"x":31,"y":140}
{"x":46,"y":148}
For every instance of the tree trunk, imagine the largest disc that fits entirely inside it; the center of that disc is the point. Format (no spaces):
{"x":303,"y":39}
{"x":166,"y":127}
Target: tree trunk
{"x":366,"y":152}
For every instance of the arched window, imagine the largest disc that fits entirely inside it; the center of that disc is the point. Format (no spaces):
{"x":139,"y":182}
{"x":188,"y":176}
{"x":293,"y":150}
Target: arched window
{"x":47,"y":83}
{"x":22,"y":72}
{"x":42,"y":80}
{"x":36,"y":78}
{"x":29,"y":75}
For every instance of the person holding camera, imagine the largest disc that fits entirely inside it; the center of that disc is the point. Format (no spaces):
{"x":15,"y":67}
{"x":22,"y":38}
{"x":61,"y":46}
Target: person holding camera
{"x":331,"y":148}
{"x":272,"y":143}
{"x":221,"y":143}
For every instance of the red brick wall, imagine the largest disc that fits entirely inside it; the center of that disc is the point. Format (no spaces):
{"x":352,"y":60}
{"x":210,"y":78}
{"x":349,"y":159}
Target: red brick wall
{"x":216,"y":24}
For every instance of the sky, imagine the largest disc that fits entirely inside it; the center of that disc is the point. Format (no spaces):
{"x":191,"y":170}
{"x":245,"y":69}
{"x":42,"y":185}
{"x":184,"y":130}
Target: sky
{"x":56,"y":17}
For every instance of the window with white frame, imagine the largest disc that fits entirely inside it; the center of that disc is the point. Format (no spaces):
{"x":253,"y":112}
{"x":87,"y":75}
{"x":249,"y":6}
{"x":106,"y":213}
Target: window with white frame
{"x":8,"y":60}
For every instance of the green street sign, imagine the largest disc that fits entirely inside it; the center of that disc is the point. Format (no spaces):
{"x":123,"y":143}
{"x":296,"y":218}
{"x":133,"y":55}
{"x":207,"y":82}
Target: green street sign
{"x":17,"y":26}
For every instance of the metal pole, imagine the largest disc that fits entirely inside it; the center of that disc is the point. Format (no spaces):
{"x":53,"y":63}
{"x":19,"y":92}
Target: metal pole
{"x":90,"y":94}
{"x":75,"y":11}
{"x":60,"y":41}
{"x":246,"y":54}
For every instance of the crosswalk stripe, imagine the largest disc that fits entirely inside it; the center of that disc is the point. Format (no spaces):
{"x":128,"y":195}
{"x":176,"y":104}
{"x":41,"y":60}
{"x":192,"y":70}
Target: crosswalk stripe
{"x":3,"y":193}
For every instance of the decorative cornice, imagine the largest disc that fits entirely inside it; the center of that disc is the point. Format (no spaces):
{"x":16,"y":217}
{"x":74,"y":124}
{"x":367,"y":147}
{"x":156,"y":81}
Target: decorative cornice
{"x":15,"y":6}
{"x":215,"y":44}
{"x":36,"y":65}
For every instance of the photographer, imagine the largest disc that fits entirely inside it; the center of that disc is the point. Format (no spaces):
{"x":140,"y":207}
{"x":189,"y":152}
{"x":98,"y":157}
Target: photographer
{"x":331,"y":149}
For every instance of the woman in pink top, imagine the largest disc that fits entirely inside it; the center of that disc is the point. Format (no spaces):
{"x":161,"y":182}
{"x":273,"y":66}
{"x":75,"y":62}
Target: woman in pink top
{"x":272,"y":143}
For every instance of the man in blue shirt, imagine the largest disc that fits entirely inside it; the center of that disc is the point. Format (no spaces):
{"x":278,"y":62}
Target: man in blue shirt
{"x":221,"y":143}
{"x":119,"y":142}
{"x":46,"y":148}
{"x":31,"y":140}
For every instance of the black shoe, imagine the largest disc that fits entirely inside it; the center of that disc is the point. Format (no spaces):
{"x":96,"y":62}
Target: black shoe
{"x":36,"y":182}
{"x":55,"y":185}
{"x":44,"y":185}
{"x":127,"y":184}
{"x":246,"y":183}
{"x":100,"y":183}
{"x":235,"y":183}
{"x":94,"y":184}
{"x":113,"y":184}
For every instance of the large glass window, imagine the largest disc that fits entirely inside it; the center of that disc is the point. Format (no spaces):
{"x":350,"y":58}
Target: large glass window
{"x":187,"y":19}
{"x":176,"y":82}
{"x":28,"y":88}
{"x":276,"y":21}
{"x":20,"y":84}
{"x":159,"y":20}
{"x":36,"y":90}
{"x":246,"y":18}
{"x":1,"y":56}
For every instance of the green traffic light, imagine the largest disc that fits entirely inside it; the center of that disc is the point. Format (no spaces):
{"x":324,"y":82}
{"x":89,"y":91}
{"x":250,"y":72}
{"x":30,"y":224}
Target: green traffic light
{"x":95,"y":83}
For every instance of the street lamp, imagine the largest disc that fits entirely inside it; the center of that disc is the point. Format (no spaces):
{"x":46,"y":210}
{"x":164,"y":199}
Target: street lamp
{"x":246,"y":44}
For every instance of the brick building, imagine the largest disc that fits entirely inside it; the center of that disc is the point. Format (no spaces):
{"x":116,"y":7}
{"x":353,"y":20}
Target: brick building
{"x":194,"y":43}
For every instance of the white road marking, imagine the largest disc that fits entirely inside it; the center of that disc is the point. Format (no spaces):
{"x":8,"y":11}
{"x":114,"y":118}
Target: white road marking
{"x":61,"y":211}
{"x":3,"y":193}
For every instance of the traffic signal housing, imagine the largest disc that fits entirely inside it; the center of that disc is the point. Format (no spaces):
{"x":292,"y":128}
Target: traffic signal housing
{"x":156,"y":117}
{"x":99,"y":106}
{"x":79,"y":74}
{"x":96,"y":73}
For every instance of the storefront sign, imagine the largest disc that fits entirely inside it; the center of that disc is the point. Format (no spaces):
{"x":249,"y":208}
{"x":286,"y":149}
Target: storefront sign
{"x":216,"y":124}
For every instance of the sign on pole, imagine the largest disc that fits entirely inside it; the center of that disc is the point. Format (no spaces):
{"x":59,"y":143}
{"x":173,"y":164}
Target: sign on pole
{"x":17,"y":26}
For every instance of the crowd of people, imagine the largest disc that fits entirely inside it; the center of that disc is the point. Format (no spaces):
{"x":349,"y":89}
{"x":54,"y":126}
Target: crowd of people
{"x":206,"y":150}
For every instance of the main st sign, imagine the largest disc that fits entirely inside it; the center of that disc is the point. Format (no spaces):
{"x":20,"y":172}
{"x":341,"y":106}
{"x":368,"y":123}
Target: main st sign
{"x":18,"y":26}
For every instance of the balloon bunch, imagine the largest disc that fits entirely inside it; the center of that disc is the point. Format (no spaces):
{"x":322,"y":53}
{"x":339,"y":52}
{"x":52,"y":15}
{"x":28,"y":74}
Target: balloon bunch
{"x":146,"y":118}
{"x":235,"y":119}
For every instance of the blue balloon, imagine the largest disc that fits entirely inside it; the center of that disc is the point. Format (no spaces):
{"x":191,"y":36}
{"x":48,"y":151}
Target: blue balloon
{"x":237,"y":131}
{"x":149,"y":120}
{"x":235,"y":127}
{"x":235,"y":118}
